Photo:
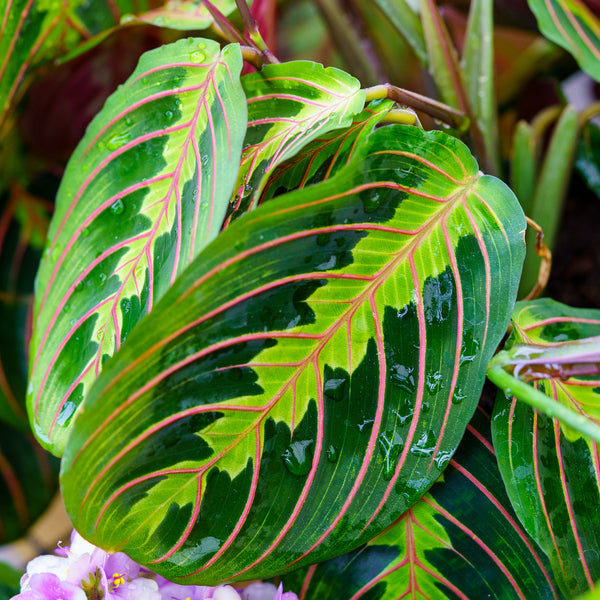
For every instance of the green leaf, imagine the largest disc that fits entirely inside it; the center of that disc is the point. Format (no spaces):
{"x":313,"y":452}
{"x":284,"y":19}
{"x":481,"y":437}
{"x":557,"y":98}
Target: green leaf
{"x":185,"y":15}
{"x":407,"y":22}
{"x":461,"y":540}
{"x":34,"y":32}
{"x":571,"y":25}
{"x":289,"y":105}
{"x":9,"y":581}
{"x":145,"y":191}
{"x":550,"y":191}
{"x":309,"y":376}
{"x":524,"y":164}
{"x":443,"y":59}
{"x":587,"y":157}
{"x":24,"y":221}
{"x":28,"y":481}
{"x":323,"y":157}
{"x":478,"y":68}
{"x":551,"y":473}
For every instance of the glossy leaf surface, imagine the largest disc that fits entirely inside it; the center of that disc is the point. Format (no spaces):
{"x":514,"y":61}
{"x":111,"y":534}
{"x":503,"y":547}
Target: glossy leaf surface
{"x":289,"y":105}
{"x":24,"y":221}
{"x":28,"y":481}
{"x":551,"y":473}
{"x":309,"y":376}
{"x":9,"y":581}
{"x":325,"y":156}
{"x":571,"y":25}
{"x":144,"y":192}
{"x":186,"y":15}
{"x":461,"y":540}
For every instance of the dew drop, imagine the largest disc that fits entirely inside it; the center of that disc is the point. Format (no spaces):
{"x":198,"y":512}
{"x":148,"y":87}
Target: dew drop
{"x":116,"y":141}
{"x":55,"y":252}
{"x":390,"y":446}
{"x":117,"y":207}
{"x":458,"y":396}
{"x":366,"y":424}
{"x":100,"y":146}
{"x":425,"y":445}
{"x":66,"y":308}
{"x":169,"y":114}
{"x":85,"y":231}
{"x":129,"y":121}
{"x":403,"y":377}
{"x":434,"y":382}
{"x":197,"y":56}
{"x":332,"y":453}
{"x":298,"y":457}
{"x":335,"y":388}
{"x":144,"y":81}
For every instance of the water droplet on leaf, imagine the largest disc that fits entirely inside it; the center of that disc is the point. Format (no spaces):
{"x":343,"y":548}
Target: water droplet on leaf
{"x":298,"y":457}
{"x":117,"y":207}
{"x":332,"y":453}
{"x":197,"y":56}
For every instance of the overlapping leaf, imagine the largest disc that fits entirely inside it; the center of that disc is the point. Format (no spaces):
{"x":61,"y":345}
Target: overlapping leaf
{"x":551,"y":473}
{"x":461,"y":540}
{"x":309,"y":376}
{"x":322,"y":158}
{"x":145,"y":191}
{"x":289,"y":105}
{"x":24,"y":221}
{"x":35,"y":31}
{"x":28,"y":481}
{"x":571,"y":25}
{"x":186,"y":15}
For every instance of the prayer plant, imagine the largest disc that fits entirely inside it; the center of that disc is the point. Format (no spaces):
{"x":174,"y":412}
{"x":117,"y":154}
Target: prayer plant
{"x":253,"y":330}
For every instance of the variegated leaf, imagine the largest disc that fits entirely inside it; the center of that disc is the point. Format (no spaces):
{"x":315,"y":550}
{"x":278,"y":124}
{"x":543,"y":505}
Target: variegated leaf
{"x":309,"y":376}
{"x":323,"y":157}
{"x":461,"y":540}
{"x":186,"y":15}
{"x":289,"y":105}
{"x":572,"y":25}
{"x":144,"y":192}
{"x":552,"y":474}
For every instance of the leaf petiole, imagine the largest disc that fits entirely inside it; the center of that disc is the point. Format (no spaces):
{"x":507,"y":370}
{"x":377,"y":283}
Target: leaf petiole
{"x":436,"y":109}
{"x":524,"y":392}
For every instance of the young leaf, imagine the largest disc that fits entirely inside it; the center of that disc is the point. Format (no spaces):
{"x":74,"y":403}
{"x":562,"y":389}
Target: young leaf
{"x":28,"y":481}
{"x":24,"y":221}
{"x":571,"y":25}
{"x":145,"y":191}
{"x":478,"y":69}
{"x":289,"y":105}
{"x":186,"y":15}
{"x":309,"y":376}
{"x":551,"y":473}
{"x":461,"y":540}
{"x":322,"y":158}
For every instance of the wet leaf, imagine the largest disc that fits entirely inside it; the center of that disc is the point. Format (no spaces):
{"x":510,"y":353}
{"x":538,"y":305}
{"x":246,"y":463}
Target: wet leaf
{"x":311,"y":373}
{"x":289,"y":105}
{"x":145,"y":191}
{"x":551,"y":472}
{"x":461,"y":540}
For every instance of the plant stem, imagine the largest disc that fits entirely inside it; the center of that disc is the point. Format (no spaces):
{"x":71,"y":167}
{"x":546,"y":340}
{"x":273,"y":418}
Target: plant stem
{"x":436,"y":109}
{"x":400,"y":115}
{"x":224,"y":26}
{"x":254,"y":33}
{"x":544,"y":404}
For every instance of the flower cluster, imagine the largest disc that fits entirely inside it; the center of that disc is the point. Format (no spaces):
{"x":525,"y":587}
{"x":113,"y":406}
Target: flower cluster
{"x":85,"y":572}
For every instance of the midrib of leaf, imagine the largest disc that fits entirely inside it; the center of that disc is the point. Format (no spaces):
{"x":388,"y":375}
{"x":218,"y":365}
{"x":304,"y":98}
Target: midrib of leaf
{"x":110,"y":304}
{"x":372,"y":284}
